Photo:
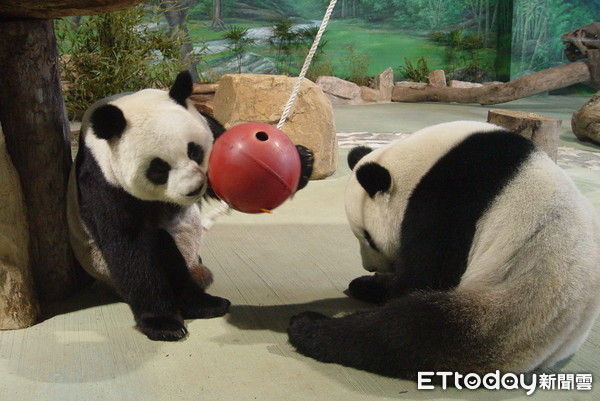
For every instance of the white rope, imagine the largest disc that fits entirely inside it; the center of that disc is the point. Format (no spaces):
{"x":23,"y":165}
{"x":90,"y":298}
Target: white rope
{"x":313,"y":49}
{"x":208,"y":219}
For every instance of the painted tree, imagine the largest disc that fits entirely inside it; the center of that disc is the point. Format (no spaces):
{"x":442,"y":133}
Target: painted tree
{"x":175,"y":12}
{"x":217,"y":22}
{"x":238,"y":42}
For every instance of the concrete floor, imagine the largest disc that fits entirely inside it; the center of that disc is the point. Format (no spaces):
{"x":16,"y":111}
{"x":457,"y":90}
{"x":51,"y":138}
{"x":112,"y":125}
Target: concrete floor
{"x":271,"y":267}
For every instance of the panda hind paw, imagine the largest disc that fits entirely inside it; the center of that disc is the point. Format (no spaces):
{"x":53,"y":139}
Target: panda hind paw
{"x":162,"y":328}
{"x":204,"y":306}
{"x":308,"y":335}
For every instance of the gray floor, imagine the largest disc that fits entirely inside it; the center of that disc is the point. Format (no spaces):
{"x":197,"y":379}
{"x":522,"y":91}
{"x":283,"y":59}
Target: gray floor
{"x":271,"y":266}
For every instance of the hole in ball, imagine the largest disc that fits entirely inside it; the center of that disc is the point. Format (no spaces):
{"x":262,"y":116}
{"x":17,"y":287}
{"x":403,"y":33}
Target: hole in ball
{"x":262,"y":136}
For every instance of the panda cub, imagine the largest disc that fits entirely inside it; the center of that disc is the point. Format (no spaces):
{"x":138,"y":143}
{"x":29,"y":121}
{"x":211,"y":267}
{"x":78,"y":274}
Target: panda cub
{"x":133,"y":204}
{"x":486,"y":256}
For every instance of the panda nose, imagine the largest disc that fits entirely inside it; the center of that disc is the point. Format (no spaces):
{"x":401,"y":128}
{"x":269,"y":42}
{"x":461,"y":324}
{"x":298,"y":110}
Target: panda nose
{"x":195,"y":192}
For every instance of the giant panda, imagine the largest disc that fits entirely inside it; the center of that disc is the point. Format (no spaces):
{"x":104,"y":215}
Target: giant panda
{"x":484,"y":253}
{"x":133,"y":204}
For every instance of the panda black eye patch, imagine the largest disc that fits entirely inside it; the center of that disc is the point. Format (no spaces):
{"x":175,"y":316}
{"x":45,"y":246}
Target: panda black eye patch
{"x":369,"y":240}
{"x":158,"y":171}
{"x":195,"y":152}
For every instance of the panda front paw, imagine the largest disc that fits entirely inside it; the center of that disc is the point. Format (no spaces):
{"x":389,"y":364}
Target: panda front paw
{"x":162,"y":328}
{"x":307,"y":334}
{"x":307,"y":160}
{"x":370,"y":289}
{"x":204,"y":306}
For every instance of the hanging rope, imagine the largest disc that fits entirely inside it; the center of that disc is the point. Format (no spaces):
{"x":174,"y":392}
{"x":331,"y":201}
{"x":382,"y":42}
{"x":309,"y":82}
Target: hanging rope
{"x":209,"y":218}
{"x":311,"y":53}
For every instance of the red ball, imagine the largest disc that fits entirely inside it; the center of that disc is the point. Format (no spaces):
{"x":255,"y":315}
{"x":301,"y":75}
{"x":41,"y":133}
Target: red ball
{"x":254,"y":167}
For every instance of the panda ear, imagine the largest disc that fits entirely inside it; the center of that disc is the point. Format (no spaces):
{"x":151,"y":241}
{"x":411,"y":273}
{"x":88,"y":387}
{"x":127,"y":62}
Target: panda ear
{"x":356,"y":154}
{"x":182,"y":87}
{"x":108,"y":122}
{"x":374,"y":178}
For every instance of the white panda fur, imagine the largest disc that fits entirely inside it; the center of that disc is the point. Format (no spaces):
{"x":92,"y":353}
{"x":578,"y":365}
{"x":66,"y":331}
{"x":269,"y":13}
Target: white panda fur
{"x":528,"y":295}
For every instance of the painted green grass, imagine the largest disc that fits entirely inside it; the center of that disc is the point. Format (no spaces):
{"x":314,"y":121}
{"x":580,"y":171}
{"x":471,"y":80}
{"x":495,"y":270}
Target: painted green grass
{"x":384,"y":47}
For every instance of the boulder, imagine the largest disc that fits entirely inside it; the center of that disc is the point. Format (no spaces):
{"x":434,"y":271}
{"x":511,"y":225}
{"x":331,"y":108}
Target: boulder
{"x":437,"y":78}
{"x":18,"y":303}
{"x":250,"y":97}
{"x":338,"y":87}
{"x":453,"y":83}
{"x":586,"y":121}
{"x":370,"y":95}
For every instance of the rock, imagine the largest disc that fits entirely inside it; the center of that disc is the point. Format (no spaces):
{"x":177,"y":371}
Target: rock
{"x":437,"y":78}
{"x":18,"y":302}
{"x":339,"y":101}
{"x":249,"y":97}
{"x":338,"y":87}
{"x":462,"y":84}
{"x":370,"y":95}
{"x":586,"y":121}
{"x":384,"y":83}
{"x":411,"y":85}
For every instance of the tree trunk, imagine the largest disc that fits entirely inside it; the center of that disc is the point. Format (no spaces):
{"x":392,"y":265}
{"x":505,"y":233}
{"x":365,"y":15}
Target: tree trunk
{"x":176,"y":15}
{"x":541,"y":130}
{"x":217,"y":22}
{"x":37,"y":139}
{"x":538,"y":82}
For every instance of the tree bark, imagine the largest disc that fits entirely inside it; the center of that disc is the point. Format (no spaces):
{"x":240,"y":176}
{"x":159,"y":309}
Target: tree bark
{"x":538,"y":82}
{"x":541,"y":130}
{"x":37,"y":139}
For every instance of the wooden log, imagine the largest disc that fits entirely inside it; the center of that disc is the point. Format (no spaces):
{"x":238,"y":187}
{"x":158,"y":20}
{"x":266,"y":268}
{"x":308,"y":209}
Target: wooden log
{"x":60,"y":8}
{"x":586,"y":121}
{"x":37,"y":139}
{"x":537,"y":82}
{"x":203,"y":88}
{"x":541,"y":130}
{"x":18,"y":302}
